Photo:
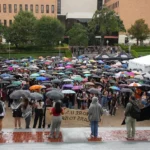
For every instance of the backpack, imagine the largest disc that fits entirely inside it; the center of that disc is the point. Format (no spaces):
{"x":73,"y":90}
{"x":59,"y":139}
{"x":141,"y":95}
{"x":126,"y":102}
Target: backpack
{"x":135,"y":111}
{"x":1,"y":108}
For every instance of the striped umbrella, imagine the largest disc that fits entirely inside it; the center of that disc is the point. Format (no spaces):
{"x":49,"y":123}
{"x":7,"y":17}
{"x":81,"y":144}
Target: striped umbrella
{"x":134,"y":84}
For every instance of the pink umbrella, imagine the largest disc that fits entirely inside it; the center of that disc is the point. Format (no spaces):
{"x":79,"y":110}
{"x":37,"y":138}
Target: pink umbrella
{"x":68,"y":67}
{"x":77,"y":87}
{"x":10,"y":68}
{"x":129,"y":73}
{"x":85,"y":79}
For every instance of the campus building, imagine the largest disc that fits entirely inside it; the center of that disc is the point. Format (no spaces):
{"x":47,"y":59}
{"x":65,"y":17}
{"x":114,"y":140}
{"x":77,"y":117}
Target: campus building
{"x":10,"y":8}
{"x":71,"y":11}
{"x":130,"y":11}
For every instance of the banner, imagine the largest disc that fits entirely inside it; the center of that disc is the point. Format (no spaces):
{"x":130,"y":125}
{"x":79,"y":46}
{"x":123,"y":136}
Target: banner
{"x":71,"y":117}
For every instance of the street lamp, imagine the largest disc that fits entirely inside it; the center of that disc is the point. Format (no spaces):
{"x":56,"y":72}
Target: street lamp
{"x":9,"y":49}
{"x":107,"y":42}
{"x":59,"y":48}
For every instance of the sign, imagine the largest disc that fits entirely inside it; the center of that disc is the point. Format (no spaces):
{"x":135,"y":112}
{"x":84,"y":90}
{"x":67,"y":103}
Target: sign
{"x":71,"y":117}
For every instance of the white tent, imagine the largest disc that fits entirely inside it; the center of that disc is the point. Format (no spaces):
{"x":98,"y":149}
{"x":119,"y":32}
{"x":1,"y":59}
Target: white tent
{"x":142,"y":63}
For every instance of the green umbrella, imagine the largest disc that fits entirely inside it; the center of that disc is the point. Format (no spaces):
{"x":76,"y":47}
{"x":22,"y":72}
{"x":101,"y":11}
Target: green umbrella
{"x":34,"y":75}
{"x":87,"y":75}
{"x":17,"y":83}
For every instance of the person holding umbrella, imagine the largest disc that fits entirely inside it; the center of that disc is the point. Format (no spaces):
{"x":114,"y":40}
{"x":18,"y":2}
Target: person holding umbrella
{"x":56,"y":111}
{"x":2,"y":114}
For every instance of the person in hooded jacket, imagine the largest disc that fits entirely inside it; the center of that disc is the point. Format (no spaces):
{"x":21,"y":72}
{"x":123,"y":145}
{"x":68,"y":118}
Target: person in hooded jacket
{"x":94,"y":115}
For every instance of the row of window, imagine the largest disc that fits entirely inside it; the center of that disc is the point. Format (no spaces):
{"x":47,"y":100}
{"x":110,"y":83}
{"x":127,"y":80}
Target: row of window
{"x":114,"y":5}
{"x":27,"y":7}
{"x":5,"y":22}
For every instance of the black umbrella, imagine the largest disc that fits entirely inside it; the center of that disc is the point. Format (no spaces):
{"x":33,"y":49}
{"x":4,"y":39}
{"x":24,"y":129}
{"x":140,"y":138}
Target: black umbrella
{"x":126,"y":90}
{"x":55,"y":95}
{"x":56,"y":81}
{"x":94,"y":91}
{"x":132,"y":80}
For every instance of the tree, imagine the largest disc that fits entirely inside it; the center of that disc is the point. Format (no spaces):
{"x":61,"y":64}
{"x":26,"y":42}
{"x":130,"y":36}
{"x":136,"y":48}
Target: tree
{"x":48,"y":31}
{"x":105,"y":22}
{"x":78,"y":35}
{"x":139,"y":30}
{"x":21,"y":32}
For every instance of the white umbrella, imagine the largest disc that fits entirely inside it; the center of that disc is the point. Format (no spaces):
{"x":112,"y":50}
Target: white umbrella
{"x":68,"y":92}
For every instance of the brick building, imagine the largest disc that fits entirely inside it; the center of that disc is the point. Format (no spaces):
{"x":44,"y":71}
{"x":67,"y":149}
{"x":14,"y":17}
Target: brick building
{"x":130,"y":11}
{"x":10,"y":8}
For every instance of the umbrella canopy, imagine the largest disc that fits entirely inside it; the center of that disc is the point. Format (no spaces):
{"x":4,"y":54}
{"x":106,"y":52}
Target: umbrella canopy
{"x":36,"y":96}
{"x":67,"y":86}
{"x":126,"y":90}
{"x":89,"y":83}
{"x":55,"y":95}
{"x":134,"y":85}
{"x":35,"y":87}
{"x":34,"y":75}
{"x":94,"y":91}
{"x":68,"y":92}
{"x":41,"y":78}
{"x":56,"y":81}
{"x":67,"y":80}
{"x":20,"y":94}
{"x":115,"y":88}
{"x":77,"y":88}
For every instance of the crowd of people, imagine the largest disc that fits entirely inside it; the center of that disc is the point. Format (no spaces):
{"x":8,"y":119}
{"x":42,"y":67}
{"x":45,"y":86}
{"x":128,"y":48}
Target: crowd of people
{"x":30,"y":85}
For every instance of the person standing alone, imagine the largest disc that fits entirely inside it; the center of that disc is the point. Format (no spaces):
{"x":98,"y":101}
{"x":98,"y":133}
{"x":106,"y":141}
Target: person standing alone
{"x":132,"y":113}
{"x":94,"y":114}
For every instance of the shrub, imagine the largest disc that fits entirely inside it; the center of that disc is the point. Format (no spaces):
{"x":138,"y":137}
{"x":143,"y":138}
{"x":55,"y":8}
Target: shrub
{"x":134,"y":53}
{"x":68,"y":53}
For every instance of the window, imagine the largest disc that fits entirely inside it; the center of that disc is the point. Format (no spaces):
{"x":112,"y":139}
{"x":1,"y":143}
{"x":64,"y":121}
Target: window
{"x":26,"y":7}
{"x":31,"y":8}
{"x":4,"y":8}
{"x":10,"y":8}
{"x":5,"y":22}
{"x":10,"y":22}
{"x":37,"y":8}
{"x":42,"y":8}
{"x":47,"y":8}
{"x":20,"y":7}
{"x":15,"y":8}
{"x":52,"y":8}
{"x":58,"y":6}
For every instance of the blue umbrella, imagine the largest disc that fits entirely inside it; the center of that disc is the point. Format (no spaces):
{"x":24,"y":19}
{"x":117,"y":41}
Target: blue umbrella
{"x":41,"y":78}
{"x":5,"y":75}
{"x":125,"y":66}
{"x":100,"y":62}
{"x":115,"y":88}
{"x":81,"y":57}
{"x":107,"y":67}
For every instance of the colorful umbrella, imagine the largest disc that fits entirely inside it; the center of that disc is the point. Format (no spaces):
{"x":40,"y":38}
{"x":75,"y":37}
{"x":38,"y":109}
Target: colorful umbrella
{"x":115,"y":88}
{"x":68,"y":92}
{"x":135,"y":85}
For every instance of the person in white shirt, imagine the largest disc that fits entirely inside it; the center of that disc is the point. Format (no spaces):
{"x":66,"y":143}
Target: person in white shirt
{"x":39,"y":105}
{"x":2,"y":114}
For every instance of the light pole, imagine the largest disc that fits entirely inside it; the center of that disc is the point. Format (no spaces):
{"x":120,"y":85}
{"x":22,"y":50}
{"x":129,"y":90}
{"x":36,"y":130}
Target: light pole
{"x":9,"y":49}
{"x":107,"y":42}
{"x":59,"y":48}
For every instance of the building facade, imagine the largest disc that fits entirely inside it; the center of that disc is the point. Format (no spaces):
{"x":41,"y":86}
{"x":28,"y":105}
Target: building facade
{"x":10,"y":8}
{"x":130,"y":11}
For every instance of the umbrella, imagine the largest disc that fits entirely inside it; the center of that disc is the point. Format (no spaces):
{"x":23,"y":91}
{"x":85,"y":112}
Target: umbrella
{"x":100,"y":62}
{"x":67,"y":80}
{"x":77,"y":78}
{"x":115,"y":88}
{"x":36,"y":87}
{"x":34,"y":75}
{"x":77,"y":88}
{"x":20,"y":93}
{"x":17,"y":83}
{"x":126,"y":90}
{"x":123,"y":85}
{"x":55,"y":95}
{"x":4,"y":82}
{"x":41,"y":78}
{"x":68,"y":92}
{"x":112,"y":81}
{"x":42,"y":71}
{"x":67,"y":86}
{"x":139,"y":77}
{"x":89,"y":83}
{"x":36,"y":96}
{"x":12,"y":86}
{"x":134,"y":85}
{"x":56,"y":81}
{"x":94,"y":91}
{"x":132,"y":80}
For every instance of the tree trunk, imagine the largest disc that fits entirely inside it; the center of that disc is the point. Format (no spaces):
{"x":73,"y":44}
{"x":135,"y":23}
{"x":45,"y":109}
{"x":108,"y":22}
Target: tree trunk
{"x":137,"y":42}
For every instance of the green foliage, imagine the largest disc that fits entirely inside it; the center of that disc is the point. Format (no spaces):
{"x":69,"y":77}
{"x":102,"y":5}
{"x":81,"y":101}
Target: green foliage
{"x":78,"y":35}
{"x":22,"y":30}
{"x":104,"y":22}
{"x":139,"y":30}
{"x":48,"y":31}
{"x":68,"y":53}
{"x":134,"y":53}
